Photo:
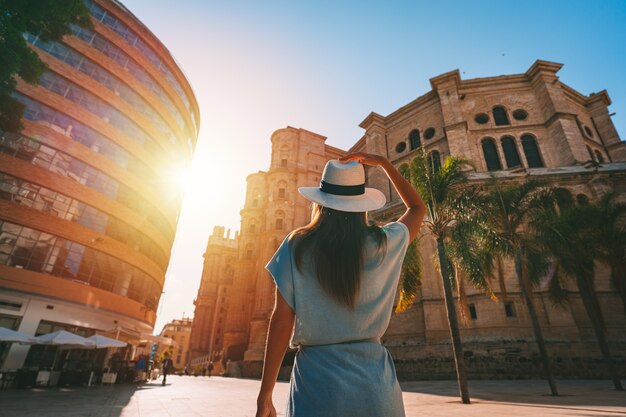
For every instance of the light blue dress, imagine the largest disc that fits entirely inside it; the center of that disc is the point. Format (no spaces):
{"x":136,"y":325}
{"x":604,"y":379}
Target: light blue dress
{"x":341,"y":368}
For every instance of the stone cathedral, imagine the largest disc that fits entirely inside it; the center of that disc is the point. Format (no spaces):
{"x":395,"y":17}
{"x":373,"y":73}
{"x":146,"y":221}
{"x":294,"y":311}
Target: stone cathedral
{"x":513,"y":127}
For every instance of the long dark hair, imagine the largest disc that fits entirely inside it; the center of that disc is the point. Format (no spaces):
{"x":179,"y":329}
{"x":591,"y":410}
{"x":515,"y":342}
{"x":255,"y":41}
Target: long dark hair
{"x":334,"y":244}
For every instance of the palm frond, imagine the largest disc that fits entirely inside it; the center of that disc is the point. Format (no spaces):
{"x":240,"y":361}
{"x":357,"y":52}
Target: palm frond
{"x":411,"y":277}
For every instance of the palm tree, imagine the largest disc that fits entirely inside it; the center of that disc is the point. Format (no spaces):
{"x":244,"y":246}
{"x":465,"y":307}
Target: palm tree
{"x":449,"y":203}
{"x":509,"y":210}
{"x":575,"y":237}
{"x":611,"y":244}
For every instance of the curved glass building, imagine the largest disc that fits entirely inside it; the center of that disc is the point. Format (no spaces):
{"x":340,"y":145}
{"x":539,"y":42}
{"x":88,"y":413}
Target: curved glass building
{"x":88,"y":212}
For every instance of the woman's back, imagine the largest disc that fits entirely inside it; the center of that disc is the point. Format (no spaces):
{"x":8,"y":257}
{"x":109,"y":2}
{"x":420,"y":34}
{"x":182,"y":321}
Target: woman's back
{"x":320,"y":319}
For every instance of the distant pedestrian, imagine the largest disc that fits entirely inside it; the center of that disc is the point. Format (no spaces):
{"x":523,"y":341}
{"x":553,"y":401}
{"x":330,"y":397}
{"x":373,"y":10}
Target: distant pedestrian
{"x":336,"y":283}
{"x":210,"y":368}
{"x":140,"y":369}
{"x":168,"y":366}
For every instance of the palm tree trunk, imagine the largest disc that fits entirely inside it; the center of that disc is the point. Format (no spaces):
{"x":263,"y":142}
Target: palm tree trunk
{"x":526,"y":290}
{"x":618,"y":274}
{"x":459,"y":362}
{"x":586,"y":293}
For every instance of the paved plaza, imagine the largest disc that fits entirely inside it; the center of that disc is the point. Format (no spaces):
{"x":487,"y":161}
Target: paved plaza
{"x":230,"y":397}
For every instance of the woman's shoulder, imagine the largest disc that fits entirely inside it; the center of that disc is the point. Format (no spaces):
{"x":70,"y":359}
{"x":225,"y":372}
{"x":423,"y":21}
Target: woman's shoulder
{"x":396,"y":232}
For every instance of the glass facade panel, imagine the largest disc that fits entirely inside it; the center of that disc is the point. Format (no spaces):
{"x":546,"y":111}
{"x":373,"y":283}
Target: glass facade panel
{"x":135,"y":41}
{"x":93,"y":104}
{"x":26,"y":248}
{"x":63,"y":164}
{"x":108,"y":80}
{"x":62,"y":206}
{"x":131,"y":66}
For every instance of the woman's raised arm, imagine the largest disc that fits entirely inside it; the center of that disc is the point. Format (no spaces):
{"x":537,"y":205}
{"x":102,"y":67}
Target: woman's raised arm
{"x":415,"y":207}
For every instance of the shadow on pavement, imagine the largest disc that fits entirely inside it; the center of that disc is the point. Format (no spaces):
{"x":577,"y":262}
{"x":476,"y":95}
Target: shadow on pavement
{"x":100,"y":401}
{"x":531,"y":393}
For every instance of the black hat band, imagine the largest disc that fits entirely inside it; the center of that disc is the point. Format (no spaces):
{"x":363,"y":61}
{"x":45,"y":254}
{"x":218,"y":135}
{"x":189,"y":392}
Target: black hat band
{"x":342,"y":189}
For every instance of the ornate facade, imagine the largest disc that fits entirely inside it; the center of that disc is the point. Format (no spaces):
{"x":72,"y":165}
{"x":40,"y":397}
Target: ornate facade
{"x":513,"y":127}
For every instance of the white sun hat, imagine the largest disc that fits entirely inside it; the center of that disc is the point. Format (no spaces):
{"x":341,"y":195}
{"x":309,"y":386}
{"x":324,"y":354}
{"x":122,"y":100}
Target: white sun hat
{"x":343,"y":188}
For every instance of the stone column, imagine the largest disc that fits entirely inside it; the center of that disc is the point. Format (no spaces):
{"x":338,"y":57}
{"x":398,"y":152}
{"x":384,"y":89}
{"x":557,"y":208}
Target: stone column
{"x":597,"y":104}
{"x":567,"y":145}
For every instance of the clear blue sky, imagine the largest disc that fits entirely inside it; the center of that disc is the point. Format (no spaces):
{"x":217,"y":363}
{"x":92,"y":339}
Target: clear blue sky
{"x":324,"y":65}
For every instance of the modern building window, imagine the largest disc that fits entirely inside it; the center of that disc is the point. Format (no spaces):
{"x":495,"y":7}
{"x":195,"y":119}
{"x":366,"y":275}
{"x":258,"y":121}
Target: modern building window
{"x":434,"y":160}
{"x":9,"y":322}
{"x":472,"y":311}
{"x":490,"y":153}
{"x":599,"y":157}
{"x":414,"y":139}
{"x":112,"y":51}
{"x":500,"y":116}
{"x":30,"y":249}
{"x":531,"y":150}
{"x":61,"y":163}
{"x":135,"y":41}
{"x":108,"y":80}
{"x":511,"y":155}
{"x":78,"y":132}
{"x":59,"y":205}
{"x":429,"y":133}
{"x":509,"y":309}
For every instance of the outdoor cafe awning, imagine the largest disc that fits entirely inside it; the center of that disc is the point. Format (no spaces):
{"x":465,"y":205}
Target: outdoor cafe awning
{"x":11,"y":336}
{"x":168,"y":341}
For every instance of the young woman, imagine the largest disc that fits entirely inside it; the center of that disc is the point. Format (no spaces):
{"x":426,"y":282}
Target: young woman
{"x":336,"y":280}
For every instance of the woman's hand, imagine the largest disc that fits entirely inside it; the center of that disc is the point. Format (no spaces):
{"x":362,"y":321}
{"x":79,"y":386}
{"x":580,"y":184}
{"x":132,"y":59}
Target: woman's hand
{"x":365,"y":159}
{"x":265,"y":408}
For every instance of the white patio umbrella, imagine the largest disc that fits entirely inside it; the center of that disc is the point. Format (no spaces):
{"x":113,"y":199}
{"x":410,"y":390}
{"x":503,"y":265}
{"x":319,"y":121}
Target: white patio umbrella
{"x":105,"y":342}
{"x":11,"y":336}
{"x":67,"y":339}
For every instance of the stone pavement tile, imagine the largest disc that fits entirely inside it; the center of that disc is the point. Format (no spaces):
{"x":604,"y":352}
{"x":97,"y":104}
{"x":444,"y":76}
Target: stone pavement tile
{"x":231,"y":397}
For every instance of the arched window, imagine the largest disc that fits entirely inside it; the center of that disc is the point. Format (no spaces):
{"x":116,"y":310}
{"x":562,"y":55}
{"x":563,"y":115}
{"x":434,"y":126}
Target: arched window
{"x":582,"y":199}
{"x":531,"y":150}
{"x":434,"y":160}
{"x":491,"y":155}
{"x":511,"y":156}
{"x":282,"y":187}
{"x":414,"y":139}
{"x":280,"y":216}
{"x":500,"y":116}
{"x":599,"y":157}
